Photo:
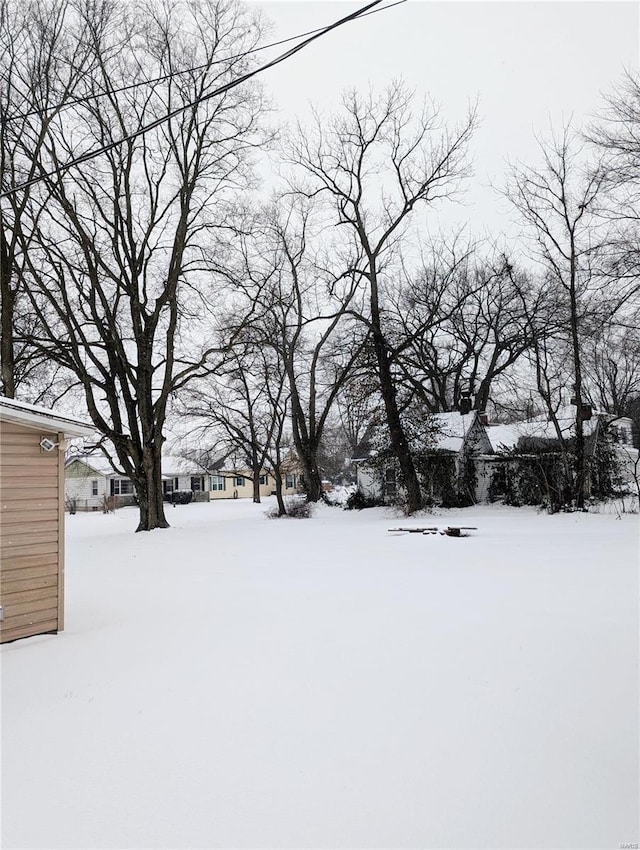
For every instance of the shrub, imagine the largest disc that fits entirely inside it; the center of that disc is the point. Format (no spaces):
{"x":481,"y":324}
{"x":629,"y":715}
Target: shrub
{"x":181,"y":497}
{"x":440,"y":483}
{"x":538,"y":477}
{"x":357,"y":501}
{"x":296,"y":506}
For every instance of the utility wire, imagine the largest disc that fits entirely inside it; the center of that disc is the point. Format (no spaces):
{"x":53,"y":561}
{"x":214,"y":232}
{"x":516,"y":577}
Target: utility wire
{"x":220,"y":90}
{"x":75,"y":101}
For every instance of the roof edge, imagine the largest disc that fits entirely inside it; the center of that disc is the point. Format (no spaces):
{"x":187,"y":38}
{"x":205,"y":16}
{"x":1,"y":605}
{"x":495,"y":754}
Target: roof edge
{"x":33,"y":416}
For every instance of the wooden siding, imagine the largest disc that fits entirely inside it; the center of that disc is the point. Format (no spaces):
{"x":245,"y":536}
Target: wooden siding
{"x":31,"y":533}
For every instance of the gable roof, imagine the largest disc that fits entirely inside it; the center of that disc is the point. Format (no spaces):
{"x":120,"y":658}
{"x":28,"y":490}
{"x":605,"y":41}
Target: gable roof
{"x":34,"y":416}
{"x":451,"y":429}
{"x":96,"y":462}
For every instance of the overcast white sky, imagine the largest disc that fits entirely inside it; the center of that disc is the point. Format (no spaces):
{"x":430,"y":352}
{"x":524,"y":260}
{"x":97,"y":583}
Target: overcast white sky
{"x":530,"y":64}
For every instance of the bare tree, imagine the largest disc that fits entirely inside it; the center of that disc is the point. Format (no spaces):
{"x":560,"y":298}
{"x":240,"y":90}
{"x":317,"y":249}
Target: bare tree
{"x":244,"y":402}
{"x":616,"y":135}
{"x":43,"y":61}
{"x":558,"y":205}
{"x":612,"y":369}
{"x":375,"y":164}
{"x":458,"y":326}
{"x":300,"y":309}
{"x":115,"y":264}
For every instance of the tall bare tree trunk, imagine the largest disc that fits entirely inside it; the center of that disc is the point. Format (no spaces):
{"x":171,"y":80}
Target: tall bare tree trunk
{"x":7,"y":303}
{"x":149,"y":491}
{"x":399,"y":443}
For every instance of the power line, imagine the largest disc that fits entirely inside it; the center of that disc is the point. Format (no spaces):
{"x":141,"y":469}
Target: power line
{"x":220,"y":90}
{"x":78,"y":100}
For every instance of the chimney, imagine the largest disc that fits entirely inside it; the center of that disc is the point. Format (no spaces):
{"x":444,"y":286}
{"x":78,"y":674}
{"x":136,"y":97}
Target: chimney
{"x":465,"y":403}
{"x":484,"y":417}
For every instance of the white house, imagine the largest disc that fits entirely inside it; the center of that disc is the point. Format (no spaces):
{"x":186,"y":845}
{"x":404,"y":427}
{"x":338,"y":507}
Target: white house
{"x":92,"y":484}
{"x":454,"y":435}
{"x":180,"y":473}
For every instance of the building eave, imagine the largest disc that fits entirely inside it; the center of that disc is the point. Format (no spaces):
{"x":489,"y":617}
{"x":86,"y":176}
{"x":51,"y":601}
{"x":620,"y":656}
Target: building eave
{"x":32,"y":416}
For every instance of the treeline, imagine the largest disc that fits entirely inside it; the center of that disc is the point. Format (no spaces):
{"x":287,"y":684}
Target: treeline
{"x":153,"y":281}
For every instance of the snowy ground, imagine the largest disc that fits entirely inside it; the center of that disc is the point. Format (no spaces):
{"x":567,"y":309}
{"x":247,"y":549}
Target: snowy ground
{"x":242,"y":682}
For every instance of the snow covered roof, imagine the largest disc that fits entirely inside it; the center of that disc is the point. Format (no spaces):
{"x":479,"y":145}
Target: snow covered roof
{"x":173,"y":465}
{"x":505,"y":437}
{"x":452,"y":428}
{"x":33,"y":415}
{"x":95,"y":461}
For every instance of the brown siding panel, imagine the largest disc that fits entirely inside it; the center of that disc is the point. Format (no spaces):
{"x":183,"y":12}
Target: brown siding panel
{"x":32,"y":619}
{"x":8,"y":585}
{"x":29,"y":606}
{"x":19,"y":490}
{"x":17,"y":524}
{"x":30,"y":532}
{"x":33,"y":564}
{"x":28,"y":630}
{"x":33,"y":512}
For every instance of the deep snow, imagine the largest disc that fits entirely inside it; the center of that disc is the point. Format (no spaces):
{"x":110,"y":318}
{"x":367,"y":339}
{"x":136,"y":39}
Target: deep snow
{"x":236,"y":681}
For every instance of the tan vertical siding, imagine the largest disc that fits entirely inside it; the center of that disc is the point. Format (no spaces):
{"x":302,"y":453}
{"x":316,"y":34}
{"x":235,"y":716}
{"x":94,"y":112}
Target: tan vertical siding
{"x":31,"y":551}
{"x":60,"y":535}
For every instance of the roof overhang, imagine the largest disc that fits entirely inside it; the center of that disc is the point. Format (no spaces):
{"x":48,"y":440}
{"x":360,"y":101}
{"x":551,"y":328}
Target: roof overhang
{"x":33,"y":416}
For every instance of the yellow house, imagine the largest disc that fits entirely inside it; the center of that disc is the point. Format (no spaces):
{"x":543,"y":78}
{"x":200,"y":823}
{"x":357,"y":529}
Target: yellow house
{"x":238,"y":483}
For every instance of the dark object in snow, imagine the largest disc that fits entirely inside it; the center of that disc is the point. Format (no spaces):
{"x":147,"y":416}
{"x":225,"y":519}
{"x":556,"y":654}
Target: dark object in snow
{"x":450,"y":530}
{"x":453,"y":531}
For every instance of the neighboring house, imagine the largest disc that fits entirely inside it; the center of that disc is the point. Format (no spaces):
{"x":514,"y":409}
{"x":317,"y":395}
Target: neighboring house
{"x":180,"y":473}
{"x":91,"y":484}
{"x":456,"y":436}
{"x":520,"y":438}
{"x":32,"y":481}
{"x":237,"y":483}
{"x":538,"y":431}
{"x":541,"y":430}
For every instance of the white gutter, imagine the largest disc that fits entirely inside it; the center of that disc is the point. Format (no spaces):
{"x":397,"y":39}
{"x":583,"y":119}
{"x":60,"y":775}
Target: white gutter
{"x":34,"y":416}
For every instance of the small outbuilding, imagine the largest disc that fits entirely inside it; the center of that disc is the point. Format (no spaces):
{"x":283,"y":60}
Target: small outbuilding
{"x":32,"y":517}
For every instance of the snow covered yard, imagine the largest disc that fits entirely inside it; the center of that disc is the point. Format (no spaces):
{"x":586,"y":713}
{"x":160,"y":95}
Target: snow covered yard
{"x":242,"y":682}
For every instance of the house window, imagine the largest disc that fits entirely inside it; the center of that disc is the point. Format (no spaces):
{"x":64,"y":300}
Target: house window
{"x":94,"y":487}
{"x":390,"y":482}
{"x":238,"y":481}
{"x":290,"y":481}
{"x":218,"y":482}
{"x":169,"y":485}
{"x":264,"y":479}
{"x":197,"y":483}
{"x":621,"y":435}
{"x":121,"y":487}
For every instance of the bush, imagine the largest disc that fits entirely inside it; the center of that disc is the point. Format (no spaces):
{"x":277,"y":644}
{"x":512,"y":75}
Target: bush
{"x":357,"y":501}
{"x":296,"y":506}
{"x":180,"y":497}
{"x":537,"y":478}
{"x":440,"y":483}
